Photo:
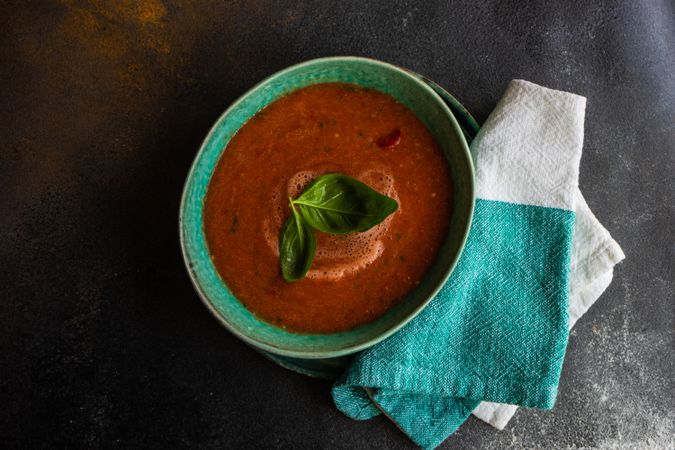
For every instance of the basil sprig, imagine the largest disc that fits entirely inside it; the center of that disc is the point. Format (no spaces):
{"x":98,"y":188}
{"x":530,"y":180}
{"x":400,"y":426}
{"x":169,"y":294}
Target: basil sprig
{"x":334,"y":204}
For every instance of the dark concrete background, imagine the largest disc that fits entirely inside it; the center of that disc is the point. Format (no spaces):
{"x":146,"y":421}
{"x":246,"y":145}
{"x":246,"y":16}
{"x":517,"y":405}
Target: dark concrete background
{"x":103,"y":342}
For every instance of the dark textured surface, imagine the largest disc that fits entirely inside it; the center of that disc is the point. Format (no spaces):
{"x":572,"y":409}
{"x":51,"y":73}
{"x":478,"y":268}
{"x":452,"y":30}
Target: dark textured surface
{"x":104,"y":343}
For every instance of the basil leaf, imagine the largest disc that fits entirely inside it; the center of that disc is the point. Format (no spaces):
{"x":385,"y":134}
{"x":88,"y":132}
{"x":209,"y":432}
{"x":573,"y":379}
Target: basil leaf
{"x":339,"y":204}
{"x":296,"y":247}
{"x":332,"y":203}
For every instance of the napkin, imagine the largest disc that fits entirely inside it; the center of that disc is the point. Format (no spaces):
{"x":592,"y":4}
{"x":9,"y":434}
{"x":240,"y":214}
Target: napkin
{"x":497,"y":330}
{"x":594,"y":255}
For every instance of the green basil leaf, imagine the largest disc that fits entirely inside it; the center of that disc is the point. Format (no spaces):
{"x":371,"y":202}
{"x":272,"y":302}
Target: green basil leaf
{"x":339,"y":204}
{"x":296,"y":247}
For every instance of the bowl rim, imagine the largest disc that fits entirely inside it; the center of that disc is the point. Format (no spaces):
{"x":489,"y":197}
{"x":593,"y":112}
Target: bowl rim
{"x":321,"y":354}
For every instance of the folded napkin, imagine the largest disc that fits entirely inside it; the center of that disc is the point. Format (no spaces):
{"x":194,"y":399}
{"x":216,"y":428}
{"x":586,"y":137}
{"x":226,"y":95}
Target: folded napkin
{"x":594,"y":255}
{"x":497,"y":331}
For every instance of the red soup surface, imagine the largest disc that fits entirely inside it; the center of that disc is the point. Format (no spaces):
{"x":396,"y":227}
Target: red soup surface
{"x":355,"y":278}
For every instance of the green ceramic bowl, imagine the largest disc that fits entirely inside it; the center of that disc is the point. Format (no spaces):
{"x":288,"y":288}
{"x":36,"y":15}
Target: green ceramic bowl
{"x":324,"y":349}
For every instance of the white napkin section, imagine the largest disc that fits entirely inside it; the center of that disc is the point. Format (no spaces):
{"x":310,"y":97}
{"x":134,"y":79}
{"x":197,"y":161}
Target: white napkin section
{"x":594,"y":253}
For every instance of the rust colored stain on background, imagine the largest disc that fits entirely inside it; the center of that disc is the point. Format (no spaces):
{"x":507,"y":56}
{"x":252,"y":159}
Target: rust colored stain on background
{"x":93,"y":65}
{"x":113,"y":29}
{"x":119,"y":33}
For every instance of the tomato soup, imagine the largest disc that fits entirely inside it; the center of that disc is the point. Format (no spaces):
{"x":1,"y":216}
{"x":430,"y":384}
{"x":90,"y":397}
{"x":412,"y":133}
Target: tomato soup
{"x":355,"y":278}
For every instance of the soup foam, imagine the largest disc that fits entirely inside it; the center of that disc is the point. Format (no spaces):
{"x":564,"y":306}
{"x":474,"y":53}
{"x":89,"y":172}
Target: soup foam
{"x":337,"y":256}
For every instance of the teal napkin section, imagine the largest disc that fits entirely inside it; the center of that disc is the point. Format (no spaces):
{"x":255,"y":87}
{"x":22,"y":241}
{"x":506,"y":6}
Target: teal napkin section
{"x":497,"y":331}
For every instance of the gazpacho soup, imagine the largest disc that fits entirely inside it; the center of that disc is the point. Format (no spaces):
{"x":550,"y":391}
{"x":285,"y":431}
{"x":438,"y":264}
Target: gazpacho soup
{"x":354,"y":278}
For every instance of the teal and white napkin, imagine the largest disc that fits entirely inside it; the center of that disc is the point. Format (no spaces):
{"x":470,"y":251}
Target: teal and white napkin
{"x":594,"y":255}
{"x":496,"y":333}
